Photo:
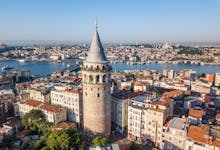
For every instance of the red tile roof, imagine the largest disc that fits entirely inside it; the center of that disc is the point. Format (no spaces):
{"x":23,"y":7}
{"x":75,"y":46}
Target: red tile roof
{"x":64,"y":125}
{"x":126,"y":94}
{"x":138,"y":83}
{"x":33,"y":103}
{"x":174,"y":93}
{"x":51,"y":108}
{"x":163,"y":101}
{"x":201,"y":135}
{"x":196,"y":113}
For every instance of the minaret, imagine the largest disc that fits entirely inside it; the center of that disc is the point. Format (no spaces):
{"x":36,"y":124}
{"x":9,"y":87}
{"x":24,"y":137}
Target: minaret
{"x":96,"y":77}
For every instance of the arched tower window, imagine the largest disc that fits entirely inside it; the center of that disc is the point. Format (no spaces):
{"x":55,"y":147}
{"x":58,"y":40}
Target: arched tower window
{"x":92,"y":67}
{"x":97,"y":68}
{"x":104,"y":78}
{"x":103,"y":68}
{"x":90,"y":78}
{"x":97,"y":78}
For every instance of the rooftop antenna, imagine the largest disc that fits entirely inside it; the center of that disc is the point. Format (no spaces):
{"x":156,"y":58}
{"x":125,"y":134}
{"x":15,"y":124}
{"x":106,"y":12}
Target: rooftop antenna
{"x":96,"y":23}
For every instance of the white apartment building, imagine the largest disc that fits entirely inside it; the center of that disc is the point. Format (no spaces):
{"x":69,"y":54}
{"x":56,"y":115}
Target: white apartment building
{"x":157,"y":114}
{"x":146,"y":116}
{"x":174,"y":134}
{"x":141,"y":86}
{"x":42,"y":95}
{"x":171,"y":74}
{"x":173,"y":85}
{"x":54,"y":114}
{"x":136,"y":119}
{"x":120,"y":109}
{"x":71,"y":100}
{"x":217,"y":79}
{"x":201,"y":87}
{"x":23,"y":96}
{"x":124,"y":84}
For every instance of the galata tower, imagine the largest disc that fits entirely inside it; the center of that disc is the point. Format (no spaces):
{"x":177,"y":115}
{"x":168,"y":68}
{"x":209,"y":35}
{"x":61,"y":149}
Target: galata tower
{"x":96,"y":77}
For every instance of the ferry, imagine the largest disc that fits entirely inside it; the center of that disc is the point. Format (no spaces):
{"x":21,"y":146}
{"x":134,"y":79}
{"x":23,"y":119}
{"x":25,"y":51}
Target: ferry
{"x":21,"y":60}
{"x":6,"y":67}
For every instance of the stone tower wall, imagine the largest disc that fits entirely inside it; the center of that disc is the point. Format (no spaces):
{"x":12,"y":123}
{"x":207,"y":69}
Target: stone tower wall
{"x":97,"y":101}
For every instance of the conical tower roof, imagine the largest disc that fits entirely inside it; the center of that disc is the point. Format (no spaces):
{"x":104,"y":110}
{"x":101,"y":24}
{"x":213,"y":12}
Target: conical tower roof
{"x":96,"y":53}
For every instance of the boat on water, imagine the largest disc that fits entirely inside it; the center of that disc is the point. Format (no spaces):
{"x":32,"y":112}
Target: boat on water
{"x":21,"y":60}
{"x":6,"y":67}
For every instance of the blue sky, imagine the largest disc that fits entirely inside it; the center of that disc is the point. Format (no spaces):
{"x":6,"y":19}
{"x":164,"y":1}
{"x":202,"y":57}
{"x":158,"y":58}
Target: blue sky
{"x":119,"y":20}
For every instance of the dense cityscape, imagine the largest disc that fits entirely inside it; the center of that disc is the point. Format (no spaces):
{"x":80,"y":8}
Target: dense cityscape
{"x":166,"y":110}
{"x":131,"y":54}
{"x":97,"y":96}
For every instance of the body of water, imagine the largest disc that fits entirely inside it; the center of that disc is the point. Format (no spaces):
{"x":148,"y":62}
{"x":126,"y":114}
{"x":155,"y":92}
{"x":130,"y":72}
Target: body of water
{"x":45,"y":68}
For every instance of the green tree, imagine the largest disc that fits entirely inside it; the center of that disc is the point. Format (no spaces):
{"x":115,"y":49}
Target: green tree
{"x":104,"y":141}
{"x":100,"y":141}
{"x":33,"y":119}
{"x":40,"y":143}
{"x":60,"y":140}
{"x":36,"y":122}
{"x":156,"y":92}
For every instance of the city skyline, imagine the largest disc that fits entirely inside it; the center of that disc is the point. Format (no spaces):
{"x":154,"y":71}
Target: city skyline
{"x":151,"y":86}
{"x":123,"y":22}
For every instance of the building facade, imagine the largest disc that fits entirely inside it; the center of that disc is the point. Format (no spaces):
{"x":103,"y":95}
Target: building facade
{"x":174,"y":134}
{"x":54,"y":114}
{"x":157,"y":113}
{"x":136,"y":120}
{"x":40,"y":95}
{"x":200,"y":137}
{"x":120,"y":110}
{"x":71,"y":100}
{"x":146,"y":117}
{"x":217,"y":79}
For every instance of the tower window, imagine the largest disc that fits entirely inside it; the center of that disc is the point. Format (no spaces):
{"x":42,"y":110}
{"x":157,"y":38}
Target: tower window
{"x":98,"y":95}
{"x":86,"y":93}
{"x":97,"y":68}
{"x":97,"y":79}
{"x":104,"y":78}
{"x":90,"y":78}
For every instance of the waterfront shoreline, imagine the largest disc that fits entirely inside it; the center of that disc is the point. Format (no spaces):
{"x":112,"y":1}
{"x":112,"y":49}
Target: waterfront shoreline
{"x":44,"y":68}
{"x":190,"y":62}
